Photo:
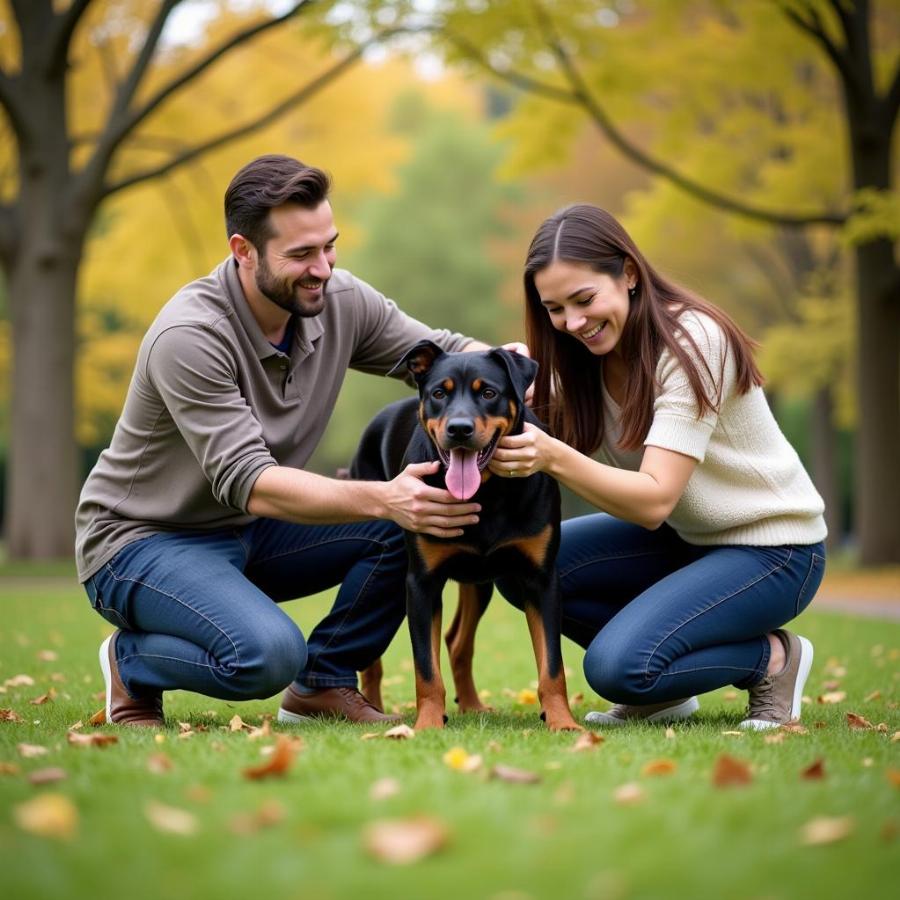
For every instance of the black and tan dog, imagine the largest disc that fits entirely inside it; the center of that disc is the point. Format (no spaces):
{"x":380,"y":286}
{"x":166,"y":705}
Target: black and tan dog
{"x":467,"y":403}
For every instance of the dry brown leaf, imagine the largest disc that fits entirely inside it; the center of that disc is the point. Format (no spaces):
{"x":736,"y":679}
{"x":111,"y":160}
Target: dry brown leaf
{"x":856,"y":721}
{"x":895,"y":737}
{"x":48,"y":815}
{"x":826,"y":830}
{"x":587,"y":740}
{"x":9,"y":715}
{"x":400,"y":733}
{"x":92,"y":739}
{"x":185,"y":727}
{"x":19,"y":681}
{"x":832,"y":697}
{"x":170,"y":819}
{"x":158,"y":763}
{"x":263,"y":731}
{"x":47,"y":776}
{"x":278,"y":763}
{"x":629,"y":794}
{"x":76,"y":726}
{"x":814,"y":771}
{"x":659,"y":767}
{"x":8,"y":768}
{"x":29,"y":751}
{"x":47,"y":655}
{"x":729,"y":771}
{"x":49,"y":697}
{"x":404,"y":841}
{"x":384,"y":788}
{"x":98,"y":718}
{"x":794,"y":728}
{"x":893,"y":777}
{"x":513,"y":775}
{"x":236,"y":723}
{"x":874,"y":695}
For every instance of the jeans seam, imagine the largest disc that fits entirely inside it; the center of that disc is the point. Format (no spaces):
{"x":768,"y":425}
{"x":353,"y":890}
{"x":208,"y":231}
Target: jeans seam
{"x":310,"y":665}
{"x":178,"y":659}
{"x":177,"y":600}
{"x":721,"y":600}
{"x":809,"y":571}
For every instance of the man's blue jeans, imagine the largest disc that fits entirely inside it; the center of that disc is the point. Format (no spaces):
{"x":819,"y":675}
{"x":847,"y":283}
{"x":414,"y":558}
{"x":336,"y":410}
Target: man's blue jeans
{"x":199,"y":612}
{"x":662,"y":619}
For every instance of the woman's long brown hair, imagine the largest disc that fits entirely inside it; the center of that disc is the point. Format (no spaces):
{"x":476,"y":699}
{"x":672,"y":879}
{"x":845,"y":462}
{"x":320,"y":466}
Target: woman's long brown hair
{"x":567,"y":391}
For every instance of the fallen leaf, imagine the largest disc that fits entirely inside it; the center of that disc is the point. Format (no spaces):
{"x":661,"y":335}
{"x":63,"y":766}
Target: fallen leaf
{"x":400,"y":733}
{"x":670,"y":733}
{"x":370,"y":735}
{"x":170,"y":819}
{"x":47,"y":655}
{"x":794,"y":728}
{"x":874,"y":695}
{"x":629,"y":794}
{"x":48,"y":815}
{"x":98,"y":718}
{"x":44,"y":698}
{"x":9,"y":715}
{"x":814,"y":771}
{"x":659,"y":767}
{"x":893,"y":777}
{"x":8,"y":768}
{"x":832,"y":685}
{"x":47,"y":776}
{"x":895,"y":737}
{"x":513,"y":775}
{"x":158,"y":763}
{"x":527,"y":697}
{"x":826,"y":830}
{"x":458,"y":759}
{"x":730,"y":696}
{"x":729,"y":771}
{"x":92,"y":739}
{"x":776,"y":738}
{"x":404,"y":841}
{"x":185,"y":727}
{"x":76,"y":726}
{"x":269,"y":814}
{"x":29,"y":751}
{"x":19,"y":681}
{"x":236,"y":723}
{"x":857,"y":721}
{"x":832,"y":697}
{"x":278,"y":763}
{"x":587,"y":740}
{"x":384,"y":788}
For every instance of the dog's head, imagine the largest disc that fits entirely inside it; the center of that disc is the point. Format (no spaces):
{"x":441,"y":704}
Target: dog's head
{"x":467,"y":402}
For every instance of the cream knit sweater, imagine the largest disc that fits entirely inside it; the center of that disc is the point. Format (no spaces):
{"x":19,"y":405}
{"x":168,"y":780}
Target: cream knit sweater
{"x":749,"y":486}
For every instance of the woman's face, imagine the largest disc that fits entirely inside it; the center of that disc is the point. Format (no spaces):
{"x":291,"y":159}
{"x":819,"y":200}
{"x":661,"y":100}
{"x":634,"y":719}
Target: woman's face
{"x":590,"y":306}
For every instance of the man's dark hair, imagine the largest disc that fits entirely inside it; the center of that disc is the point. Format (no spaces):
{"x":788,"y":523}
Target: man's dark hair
{"x":267,"y":182}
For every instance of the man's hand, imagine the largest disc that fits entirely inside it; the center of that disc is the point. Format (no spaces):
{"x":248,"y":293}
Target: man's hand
{"x":416,"y":506}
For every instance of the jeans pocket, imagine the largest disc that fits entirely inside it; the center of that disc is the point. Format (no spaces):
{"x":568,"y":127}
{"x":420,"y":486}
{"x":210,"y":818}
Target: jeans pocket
{"x":811,"y":582}
{"x":113,"y":616}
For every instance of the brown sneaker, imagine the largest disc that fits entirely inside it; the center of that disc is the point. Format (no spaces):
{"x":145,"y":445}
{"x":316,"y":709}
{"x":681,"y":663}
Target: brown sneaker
{"x":671,"y":711}
{"x":777,"y":699}
{"x":121,"y":707}
{"x":329,"y":703}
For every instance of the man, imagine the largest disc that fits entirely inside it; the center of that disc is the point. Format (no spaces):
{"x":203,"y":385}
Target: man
{"x":199,"y":518}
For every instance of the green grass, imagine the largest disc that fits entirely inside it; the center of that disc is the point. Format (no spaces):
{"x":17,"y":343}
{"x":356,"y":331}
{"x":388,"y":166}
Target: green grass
{"x":565,"y":837}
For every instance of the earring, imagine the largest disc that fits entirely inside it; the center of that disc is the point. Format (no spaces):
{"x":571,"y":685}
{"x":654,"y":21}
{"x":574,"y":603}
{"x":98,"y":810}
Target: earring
{"x":632,"y":292}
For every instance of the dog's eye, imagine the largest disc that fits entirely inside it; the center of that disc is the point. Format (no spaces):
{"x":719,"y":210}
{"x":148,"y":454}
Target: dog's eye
{"x":438,"y":394}
{"x":488,"y":393}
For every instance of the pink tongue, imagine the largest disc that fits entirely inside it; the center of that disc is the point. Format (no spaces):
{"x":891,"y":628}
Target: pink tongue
{"x":463,"y":477}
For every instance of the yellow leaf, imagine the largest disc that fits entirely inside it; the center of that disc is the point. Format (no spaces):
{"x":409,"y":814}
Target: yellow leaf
{"x":170,"y":819}
{"x":527,"y":697}
{"x":458,"y":759}
{"x":48,"y":815}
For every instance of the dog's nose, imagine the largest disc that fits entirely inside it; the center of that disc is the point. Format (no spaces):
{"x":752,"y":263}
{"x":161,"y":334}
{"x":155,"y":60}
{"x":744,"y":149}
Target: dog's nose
{"x":460,"y":429}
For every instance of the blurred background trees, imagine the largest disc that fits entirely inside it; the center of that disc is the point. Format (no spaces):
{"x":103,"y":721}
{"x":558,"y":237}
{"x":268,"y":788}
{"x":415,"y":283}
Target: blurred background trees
{"x":728,"y":137}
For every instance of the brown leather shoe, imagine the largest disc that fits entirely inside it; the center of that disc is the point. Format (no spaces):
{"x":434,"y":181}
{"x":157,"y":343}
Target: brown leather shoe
{"x":330,"y":703}
{"x":121,"y":707}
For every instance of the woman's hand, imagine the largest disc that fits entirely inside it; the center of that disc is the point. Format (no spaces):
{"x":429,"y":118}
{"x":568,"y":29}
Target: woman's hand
{"x":523,"y":454}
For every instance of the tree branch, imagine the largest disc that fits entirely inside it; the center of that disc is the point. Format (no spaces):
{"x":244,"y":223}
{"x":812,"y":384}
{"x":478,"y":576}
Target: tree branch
{"x":589,"y":103}
{"x":64,"y":28}
{"x":308,"y":90}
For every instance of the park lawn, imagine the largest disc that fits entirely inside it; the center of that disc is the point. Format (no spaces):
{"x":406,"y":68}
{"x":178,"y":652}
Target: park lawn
{"x":303,"y":835}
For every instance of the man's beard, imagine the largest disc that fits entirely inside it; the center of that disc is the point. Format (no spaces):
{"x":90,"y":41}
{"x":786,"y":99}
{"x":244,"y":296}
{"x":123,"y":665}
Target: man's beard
{"x":283,"y":293}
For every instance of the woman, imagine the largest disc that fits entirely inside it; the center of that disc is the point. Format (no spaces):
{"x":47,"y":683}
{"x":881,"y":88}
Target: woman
{"x":711,"y":533}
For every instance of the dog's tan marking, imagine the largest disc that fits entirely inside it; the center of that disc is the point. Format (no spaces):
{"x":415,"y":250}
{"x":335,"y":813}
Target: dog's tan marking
{"x":477,"y":385}
{"x":535,"y":547}
{"x":430,"y":695}
{"x":552,"y":692}
{"x":448,"y":384}
{"x":436,"y":553}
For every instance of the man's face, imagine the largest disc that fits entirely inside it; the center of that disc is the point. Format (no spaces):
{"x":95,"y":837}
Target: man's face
{"x":298,"y":259}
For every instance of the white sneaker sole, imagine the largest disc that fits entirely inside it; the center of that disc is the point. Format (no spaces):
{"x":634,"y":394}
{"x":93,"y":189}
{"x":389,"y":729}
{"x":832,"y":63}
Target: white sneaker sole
{"x":806,"y":661}
{"x":107,"y":675}
{"x":292,"y":718}
{"x":683,"y":710}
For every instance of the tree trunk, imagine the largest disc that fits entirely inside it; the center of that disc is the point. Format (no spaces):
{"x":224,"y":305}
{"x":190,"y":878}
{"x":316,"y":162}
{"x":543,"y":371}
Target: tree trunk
{"x":42,"y":464}
{"x":877,"y":471}
{"x":824,"y":463}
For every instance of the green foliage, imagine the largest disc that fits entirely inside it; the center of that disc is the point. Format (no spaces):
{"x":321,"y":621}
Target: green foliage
{"x":564,"y":837}
{"x":876,"y":215}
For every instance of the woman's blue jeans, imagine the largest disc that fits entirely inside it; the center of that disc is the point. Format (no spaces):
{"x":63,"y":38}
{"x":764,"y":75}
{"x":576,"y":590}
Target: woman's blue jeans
{"x":662,"y":619}
{"x":198,"y":611}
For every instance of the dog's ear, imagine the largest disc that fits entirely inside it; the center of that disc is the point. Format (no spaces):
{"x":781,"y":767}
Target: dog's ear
{"x":419,"y":359}
{"x":521,"y":369}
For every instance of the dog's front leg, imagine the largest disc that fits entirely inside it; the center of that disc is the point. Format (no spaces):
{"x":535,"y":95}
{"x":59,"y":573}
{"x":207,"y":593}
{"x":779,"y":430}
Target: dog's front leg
{"x":460,"y":638}
{"x":543,"y":611}
{"x":423,"y":610}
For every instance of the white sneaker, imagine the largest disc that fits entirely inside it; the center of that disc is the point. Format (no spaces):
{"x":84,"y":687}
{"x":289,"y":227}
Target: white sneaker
{"x":621,"y":713}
